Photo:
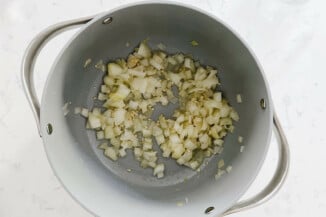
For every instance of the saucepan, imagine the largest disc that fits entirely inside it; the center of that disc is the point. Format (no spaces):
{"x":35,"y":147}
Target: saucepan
{"x":104,"y":187}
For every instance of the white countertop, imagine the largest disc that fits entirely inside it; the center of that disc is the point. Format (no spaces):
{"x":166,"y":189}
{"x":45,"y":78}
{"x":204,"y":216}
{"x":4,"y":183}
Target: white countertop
{"x":288,"y":37}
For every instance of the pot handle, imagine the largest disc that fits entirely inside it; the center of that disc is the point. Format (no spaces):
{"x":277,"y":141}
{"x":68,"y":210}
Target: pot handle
{"x":278,"y":179}
{"x":30,"y":56}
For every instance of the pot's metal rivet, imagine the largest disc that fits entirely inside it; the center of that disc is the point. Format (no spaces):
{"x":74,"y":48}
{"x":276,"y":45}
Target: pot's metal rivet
{"x":107,"y":20}
{"x":263,"y":104}
{"x":49,"y":129}
{"x":209,"y":209}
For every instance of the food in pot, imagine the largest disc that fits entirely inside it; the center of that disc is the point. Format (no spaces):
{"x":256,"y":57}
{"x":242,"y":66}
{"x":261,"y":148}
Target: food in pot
{"x":133,"y":87}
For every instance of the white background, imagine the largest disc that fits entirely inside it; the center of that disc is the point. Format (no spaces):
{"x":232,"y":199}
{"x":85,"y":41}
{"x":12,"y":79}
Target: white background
{"x":289,"y":39}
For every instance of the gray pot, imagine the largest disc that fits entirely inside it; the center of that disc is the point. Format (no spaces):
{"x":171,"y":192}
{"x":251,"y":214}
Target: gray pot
{"x":106,"y":188}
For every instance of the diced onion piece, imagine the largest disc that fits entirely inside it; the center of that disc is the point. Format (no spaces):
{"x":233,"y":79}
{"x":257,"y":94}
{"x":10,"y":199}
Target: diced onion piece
{"x":101,"y":97}
{"x":108,"y":132}
{"x":210,"y":82}
{"x":133,"y":105}
{"x":180,"y":58}
{"x":132,"y":61}
{"x":194,"y":43}
{"x":65,"y":109}
{"x":103,"y":146}
{"x":99,"y":135}
{"x":189,"y":63}
{"x":94,"y":121}
{"x":228,"y":169}
{"x":123,"y":91}
{"x":114,"y":69}
{"x":155,"y":64}
{"x":131,"y":90}
{"x":175,"y":78}
{"x":217,"y":96}
{"x":115,"y":142}
{"x":220,"y":164}
{"x":239,"y":98}
{"x":193,"y":165}
{"x":219,"y":174}
{"x":136,"y":72}
{"x":122,"y":152}
{"x":234,"y":115}
{"x":231,"y":128}
{"x":138,"y":152}
{"x":158,"y":170}
{"x":139,"y":84}
{"x":241,"y":148}
{"x":100,"y":65}
{"x":146,"y":132}
{"x":96,"y":111}
{"x":119,"y":116}
{"x":218,"y":142}
{"x":240,"y":139}
{"x":190,"y":145}
{"x":172,"y":61}
{"x":109,"y":81}
{"x":149,"y":155}
{"x":84,"y":112}
{"x":77,"y":110}
{"x":144,"y":50}
{"x":144,"y":62}
{"x":201,"y":74}
{"x":111,"y":153}
{"x":160,"y":139}
{"x":177,"y":151}
{"x":87,"y":62}
{"x":224,"y":111}
{"x":161,"y":46}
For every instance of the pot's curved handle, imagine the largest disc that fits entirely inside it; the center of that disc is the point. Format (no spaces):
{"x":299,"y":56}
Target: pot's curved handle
{"x":278,"y":179}
{"x":31,"y":53}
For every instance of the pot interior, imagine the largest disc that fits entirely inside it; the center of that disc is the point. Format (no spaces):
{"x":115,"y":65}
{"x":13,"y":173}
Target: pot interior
{"x":105,"y":187}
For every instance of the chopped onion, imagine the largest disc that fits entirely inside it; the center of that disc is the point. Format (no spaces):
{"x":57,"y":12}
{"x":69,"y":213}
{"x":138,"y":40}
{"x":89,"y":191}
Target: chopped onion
{"x":161,"y":46}
{"x":84,"y":112}
{"x":220,"y":164}
{"x":119,"y":116}
{"x":101,"y":97}
{"x":139,"y":84}
{"x":158,"y":170}
{"x":239,"y":98}
{"x":219,"y":174}
{"x":134,"y":86}
{"x":99,"y":135}
{"x":122,"y":152}
{"x":65,"y":109}
{"x":87,"y":62}
{"x":194,"y":43}
{"x":234,"y":115}
{"x":77,"y":110}
{"x":180,"y":203}
{"x":94,"y":121}
{"x":103,"y":146}
{"x":100,"y":65}
{"x":144,"y":50}
{"x":240,"y":139}
{"x":114,"y":69}
{"x":111,"y":153}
